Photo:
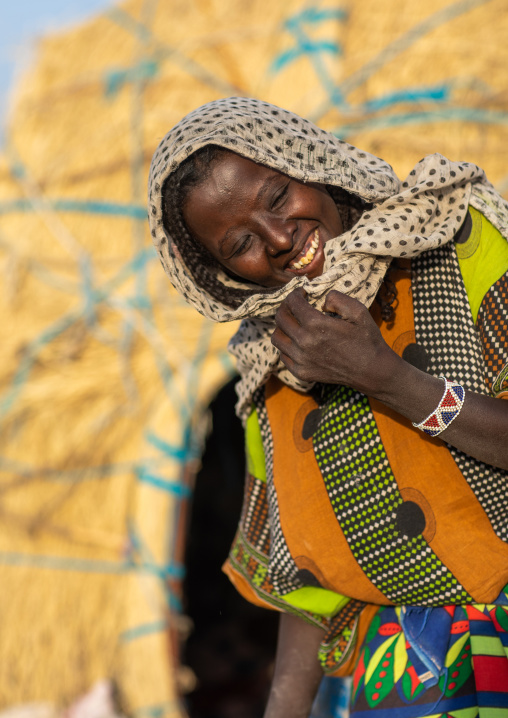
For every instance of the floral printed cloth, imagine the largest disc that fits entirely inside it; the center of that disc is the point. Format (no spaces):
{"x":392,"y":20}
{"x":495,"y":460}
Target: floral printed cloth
{"x":473,"y":680}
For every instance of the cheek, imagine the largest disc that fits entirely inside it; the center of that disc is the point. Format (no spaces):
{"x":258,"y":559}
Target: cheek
{"x":320,"y":205}
{"x":251,"y":268}
{"x":255,"y":269}
{"x":331,"y":213}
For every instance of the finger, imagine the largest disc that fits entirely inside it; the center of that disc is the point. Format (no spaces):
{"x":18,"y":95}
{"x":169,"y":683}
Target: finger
{"x":285,"y":359}
{"x":281,"y":341}
{"x":300,"y":308}
{"x":285,"y":321}
{"x":288,"y":315}
{"x":284,"y":349}
{"x":341,"y":304}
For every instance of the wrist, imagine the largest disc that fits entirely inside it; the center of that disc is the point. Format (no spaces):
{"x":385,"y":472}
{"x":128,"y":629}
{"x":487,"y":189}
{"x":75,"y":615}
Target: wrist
{"x":408,"y":390}
{"x":446,"y":411}
{"x":387,"y":376}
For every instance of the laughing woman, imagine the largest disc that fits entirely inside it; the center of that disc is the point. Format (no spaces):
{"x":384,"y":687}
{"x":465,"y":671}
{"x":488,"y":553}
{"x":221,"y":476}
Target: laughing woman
{"x":373,"y":353}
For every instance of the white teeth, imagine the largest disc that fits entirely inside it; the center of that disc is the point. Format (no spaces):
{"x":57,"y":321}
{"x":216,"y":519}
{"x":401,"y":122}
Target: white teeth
{"x":307,"y":259}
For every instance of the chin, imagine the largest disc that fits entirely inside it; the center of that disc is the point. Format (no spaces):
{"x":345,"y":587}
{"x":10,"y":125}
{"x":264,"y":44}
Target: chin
{"x":316,"y":271}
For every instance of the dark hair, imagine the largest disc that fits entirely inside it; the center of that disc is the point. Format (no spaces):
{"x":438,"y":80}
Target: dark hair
{"x":200,"y":262}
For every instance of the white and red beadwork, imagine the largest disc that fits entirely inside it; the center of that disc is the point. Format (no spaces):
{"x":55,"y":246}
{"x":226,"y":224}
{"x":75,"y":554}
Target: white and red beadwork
{"x":447,"y":410}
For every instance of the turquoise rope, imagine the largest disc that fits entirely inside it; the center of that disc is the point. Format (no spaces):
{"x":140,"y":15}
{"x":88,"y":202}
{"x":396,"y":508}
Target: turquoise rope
{"x":146,"y":629}
{"x":313,"y":50}
{"x":28,"y":360}
{"x":60,"y":326}
{"x":61,"y":563}
{"x":179,"y":453}
{"x":159,"y":482}
{"x":147,"y":563}
{"x":116,"y":79}
{"x":306,"y":47}
{"x":405,"y":41}
{"x":436,"y":93}
{"x":113,"y":209}
{"x":445,"y":114}
{"x":395,"y":48}
{"x":170,"y":571}
{"x":122,"y":18}
{"x":160,"y":710}
{"x":163,"y":52}
{"x":315,"y":16}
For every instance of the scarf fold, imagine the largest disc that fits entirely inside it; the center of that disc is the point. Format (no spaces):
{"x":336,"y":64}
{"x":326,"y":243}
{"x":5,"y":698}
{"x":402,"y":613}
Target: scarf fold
{"x":408,"y":218}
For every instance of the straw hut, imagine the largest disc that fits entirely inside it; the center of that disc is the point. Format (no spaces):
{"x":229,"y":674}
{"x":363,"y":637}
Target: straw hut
{"x":106,"y":376}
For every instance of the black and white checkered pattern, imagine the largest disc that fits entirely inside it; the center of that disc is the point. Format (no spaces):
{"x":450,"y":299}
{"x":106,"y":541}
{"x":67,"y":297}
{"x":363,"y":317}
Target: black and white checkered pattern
{"x":445,"y":327}
{"x":493,"y":326}
{"x":443,"y":321}
{"x":253,"y":520}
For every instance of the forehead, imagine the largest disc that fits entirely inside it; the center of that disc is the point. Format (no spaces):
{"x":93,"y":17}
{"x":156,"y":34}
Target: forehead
{"x":230,"y":174}
{"x":225,"y":195}
{"x":232,"y":183}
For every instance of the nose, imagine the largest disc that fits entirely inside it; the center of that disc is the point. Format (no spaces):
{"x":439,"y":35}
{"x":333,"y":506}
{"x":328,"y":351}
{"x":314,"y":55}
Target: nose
{"x":279,"y":236}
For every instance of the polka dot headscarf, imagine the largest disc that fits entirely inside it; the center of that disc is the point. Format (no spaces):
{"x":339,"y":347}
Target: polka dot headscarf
{"x":407,"y":218}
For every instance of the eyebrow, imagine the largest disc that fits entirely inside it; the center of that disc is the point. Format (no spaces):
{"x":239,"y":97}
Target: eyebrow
{"x":261,"y":192}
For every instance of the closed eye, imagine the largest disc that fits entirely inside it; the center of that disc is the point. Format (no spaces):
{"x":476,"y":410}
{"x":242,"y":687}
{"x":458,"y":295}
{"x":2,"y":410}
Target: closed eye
{"x":280,"y":197}
{"x":242,"y":247}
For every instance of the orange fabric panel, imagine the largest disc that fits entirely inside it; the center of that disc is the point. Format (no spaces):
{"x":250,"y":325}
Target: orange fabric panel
{"x":304,"y":503}
{"x":461,"y":534}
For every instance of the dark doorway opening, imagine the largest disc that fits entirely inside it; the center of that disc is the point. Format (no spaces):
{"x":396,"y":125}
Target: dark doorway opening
{"x":232,"y":647}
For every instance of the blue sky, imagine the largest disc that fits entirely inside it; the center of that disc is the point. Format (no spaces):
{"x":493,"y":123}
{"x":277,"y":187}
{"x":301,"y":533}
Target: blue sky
{"x":22,"y":22}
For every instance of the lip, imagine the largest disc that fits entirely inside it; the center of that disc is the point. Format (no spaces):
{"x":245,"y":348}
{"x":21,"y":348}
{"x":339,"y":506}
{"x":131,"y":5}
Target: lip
{"x":316,"y":259}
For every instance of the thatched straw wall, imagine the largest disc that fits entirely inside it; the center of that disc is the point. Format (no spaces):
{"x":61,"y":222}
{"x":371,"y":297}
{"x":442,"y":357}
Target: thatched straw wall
{"x":106,"y":375}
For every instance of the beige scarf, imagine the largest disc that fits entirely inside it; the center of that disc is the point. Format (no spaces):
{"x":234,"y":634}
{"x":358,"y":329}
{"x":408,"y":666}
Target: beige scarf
{"x":419,"y":214}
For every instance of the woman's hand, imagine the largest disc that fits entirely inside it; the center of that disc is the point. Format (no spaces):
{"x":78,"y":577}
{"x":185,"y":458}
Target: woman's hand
{"x":349,"y":349}
{"x":342,"y":347}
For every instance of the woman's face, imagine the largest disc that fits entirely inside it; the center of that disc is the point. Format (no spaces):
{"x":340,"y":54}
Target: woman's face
{"x":260,"y":224}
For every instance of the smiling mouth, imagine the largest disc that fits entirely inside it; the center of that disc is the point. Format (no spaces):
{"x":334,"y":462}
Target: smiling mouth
{"x":309,"y":254}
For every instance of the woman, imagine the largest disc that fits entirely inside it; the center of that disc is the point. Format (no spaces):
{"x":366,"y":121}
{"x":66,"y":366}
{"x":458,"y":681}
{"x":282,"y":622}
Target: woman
{"x":389,"y":543}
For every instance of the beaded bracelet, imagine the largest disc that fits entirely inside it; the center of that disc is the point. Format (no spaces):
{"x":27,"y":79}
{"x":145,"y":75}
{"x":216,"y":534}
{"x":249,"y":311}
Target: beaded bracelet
{"x":447,"y":410}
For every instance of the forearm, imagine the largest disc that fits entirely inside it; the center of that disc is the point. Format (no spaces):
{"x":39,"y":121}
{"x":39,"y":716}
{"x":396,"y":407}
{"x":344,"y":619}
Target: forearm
{"x":480,"y":429}
{"x":297,"y":671}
